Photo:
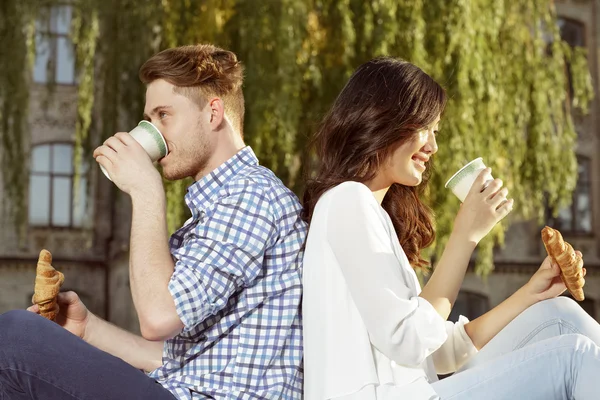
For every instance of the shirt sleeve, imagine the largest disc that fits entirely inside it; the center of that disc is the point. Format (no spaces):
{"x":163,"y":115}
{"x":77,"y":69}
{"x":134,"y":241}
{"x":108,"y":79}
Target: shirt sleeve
{"x":223,"y":254}
{"x":456,"y":350}
{"x":404,"y":327}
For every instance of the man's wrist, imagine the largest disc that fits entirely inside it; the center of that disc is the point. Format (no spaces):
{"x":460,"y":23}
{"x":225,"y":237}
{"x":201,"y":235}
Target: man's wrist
{"x":91,"y":320}
{"x":150,"y":196}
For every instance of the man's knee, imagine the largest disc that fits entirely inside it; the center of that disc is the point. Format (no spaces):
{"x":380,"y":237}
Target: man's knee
{"x":16,"y":324}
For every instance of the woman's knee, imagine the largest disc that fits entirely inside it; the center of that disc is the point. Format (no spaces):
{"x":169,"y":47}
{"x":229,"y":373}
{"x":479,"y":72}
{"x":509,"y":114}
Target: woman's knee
{"x":577,"y":343}
{"x":565,"y":303}
{"x":563,"y":307}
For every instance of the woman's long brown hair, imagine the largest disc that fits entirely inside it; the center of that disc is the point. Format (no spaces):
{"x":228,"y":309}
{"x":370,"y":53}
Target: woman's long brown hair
{"x":385,"y":103}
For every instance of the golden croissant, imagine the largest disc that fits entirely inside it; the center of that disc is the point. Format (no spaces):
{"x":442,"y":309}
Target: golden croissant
{"x":47,"y":285}
{"x":571,"y":265}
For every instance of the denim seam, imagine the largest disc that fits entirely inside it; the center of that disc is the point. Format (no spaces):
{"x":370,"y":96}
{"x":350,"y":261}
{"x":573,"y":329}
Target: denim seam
{"x":557,"y":321}
{"x":41,"y":379}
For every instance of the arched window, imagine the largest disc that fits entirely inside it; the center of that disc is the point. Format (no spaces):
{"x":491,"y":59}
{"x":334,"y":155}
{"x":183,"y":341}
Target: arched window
{"x":51,"y":199}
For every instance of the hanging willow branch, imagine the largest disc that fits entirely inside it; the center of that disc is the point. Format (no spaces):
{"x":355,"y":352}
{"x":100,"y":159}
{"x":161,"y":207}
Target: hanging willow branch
{"x":85,"y":28}
{"x":16,"y":57}
{"x":501,"y":61}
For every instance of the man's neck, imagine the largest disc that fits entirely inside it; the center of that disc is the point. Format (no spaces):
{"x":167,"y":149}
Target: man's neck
{"x":221,"y":155}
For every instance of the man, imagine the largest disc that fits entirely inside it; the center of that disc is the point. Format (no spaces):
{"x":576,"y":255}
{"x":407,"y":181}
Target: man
{"x":219,"y":304}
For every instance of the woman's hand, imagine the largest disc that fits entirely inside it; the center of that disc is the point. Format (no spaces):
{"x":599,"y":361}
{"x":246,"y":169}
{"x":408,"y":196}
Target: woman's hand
{"x":546,"y":283}
{"x":482,"y":209}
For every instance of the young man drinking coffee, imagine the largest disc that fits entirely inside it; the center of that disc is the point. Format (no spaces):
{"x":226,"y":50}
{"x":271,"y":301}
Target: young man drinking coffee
{"x":218,"y":304}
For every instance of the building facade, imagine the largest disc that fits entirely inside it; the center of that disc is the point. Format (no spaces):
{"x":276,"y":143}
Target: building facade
{"x":88,"y":231}
{"x":523,"y":252}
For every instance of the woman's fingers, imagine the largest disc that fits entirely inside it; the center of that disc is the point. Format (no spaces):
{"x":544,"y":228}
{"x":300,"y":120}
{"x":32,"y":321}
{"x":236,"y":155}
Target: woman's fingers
{"x":499,"y":198}
{"x":504,"y":209}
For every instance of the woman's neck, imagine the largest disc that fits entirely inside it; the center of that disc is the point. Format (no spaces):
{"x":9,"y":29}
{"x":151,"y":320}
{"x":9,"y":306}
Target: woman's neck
{"x":378,"y":188}
{"x":380,"y":194}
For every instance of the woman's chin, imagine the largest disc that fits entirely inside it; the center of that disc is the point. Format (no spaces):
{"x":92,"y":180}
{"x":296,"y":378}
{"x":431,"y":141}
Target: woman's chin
{"x":413,"y":180}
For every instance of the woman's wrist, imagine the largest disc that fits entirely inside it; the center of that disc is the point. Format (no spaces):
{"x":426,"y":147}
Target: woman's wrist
{"x":459,"y":238}
{"x":526,"y":296}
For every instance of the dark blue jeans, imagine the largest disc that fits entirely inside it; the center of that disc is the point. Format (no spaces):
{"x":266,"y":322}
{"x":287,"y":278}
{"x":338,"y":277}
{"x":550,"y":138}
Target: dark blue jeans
{"x":41,"y":360}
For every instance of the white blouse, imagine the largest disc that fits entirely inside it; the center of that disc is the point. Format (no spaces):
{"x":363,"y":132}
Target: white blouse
{"x":367,"y":334}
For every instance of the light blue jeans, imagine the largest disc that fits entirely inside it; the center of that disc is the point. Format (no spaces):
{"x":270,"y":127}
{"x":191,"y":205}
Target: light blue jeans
{"x":549,"y":352}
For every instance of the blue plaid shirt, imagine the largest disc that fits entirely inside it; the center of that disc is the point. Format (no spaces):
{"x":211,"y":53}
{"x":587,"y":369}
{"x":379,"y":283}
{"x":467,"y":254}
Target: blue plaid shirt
{"x":237,"y":288}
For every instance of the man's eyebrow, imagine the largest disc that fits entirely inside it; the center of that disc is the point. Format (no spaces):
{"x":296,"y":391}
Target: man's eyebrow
{"x":155,"y":110}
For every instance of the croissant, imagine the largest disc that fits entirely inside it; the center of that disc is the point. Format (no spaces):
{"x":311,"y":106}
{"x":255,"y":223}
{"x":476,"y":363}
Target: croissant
{"x":571,"y":265}
{"x":47,"y":285}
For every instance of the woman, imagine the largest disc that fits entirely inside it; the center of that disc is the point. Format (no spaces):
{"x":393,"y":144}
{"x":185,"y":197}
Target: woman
{"x":369,"y":331}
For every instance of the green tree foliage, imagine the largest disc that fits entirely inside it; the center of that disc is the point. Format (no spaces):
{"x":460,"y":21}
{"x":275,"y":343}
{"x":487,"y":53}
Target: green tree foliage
{"x":16,"y":58}
{"x":502,"y":62}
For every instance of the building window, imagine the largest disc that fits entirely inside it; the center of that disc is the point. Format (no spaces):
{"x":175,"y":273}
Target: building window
{"x":572,"y":32}
{"x":471,"y":305}
{"x":577,"y":218}
{"x":55,"y":54}
{"x":51,"y":199}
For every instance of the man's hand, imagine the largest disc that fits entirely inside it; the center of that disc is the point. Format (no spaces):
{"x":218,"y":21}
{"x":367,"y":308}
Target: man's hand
{"x":128,"y":165}
{"x":73,"y":315}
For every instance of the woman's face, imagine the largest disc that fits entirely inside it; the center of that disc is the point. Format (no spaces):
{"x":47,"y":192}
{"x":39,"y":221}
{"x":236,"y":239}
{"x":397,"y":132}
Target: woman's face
{"x":407,"y":163}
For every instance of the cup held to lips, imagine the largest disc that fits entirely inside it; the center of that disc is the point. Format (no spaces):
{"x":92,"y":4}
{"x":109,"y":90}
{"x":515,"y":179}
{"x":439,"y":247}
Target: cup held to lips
{"x":460,"y":183}
{"x":150,"y":138}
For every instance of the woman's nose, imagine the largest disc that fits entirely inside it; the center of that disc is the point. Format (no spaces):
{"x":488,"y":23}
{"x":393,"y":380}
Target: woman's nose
{"x":431,"y":146}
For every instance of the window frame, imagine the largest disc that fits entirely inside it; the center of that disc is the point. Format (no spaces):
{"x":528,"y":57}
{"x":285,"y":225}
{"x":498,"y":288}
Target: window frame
{"x":53,"y":36}
{"x":577,"y":22}
{"x":470,"y":296}
{"x":583,"y":27}
{"x":572,"y":229}
{"x":51,"y":175}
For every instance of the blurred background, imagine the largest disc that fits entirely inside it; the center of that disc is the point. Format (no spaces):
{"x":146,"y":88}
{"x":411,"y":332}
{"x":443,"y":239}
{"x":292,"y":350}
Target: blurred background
{"x":522,"y":78}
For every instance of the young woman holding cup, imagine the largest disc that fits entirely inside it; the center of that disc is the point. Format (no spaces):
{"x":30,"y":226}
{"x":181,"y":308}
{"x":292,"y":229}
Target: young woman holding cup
{"x":370,"y":332}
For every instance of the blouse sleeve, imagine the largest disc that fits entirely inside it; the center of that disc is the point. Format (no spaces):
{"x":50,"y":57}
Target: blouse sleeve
{"x":456,"y":350}
{"x":405,"y":328}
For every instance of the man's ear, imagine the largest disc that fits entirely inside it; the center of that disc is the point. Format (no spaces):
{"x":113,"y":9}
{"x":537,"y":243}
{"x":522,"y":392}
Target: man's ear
{"x":217,"y":112}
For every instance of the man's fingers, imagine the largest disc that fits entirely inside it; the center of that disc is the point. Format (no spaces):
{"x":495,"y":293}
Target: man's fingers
{"x":115,"y":143}
{"x":69,"y":297}
{"x":34,"y":309}
{"x":126,"y":138}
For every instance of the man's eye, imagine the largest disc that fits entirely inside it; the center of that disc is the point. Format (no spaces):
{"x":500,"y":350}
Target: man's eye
{"x":162,"y":114}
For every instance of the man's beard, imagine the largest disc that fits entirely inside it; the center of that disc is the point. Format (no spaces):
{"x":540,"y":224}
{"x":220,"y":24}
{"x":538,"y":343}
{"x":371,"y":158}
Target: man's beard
{"x":193,"y":162}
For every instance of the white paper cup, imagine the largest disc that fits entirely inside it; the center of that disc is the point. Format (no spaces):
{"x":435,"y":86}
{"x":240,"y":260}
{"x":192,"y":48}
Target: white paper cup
{"x":460,"y":183}
{"x":148,"y":135}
